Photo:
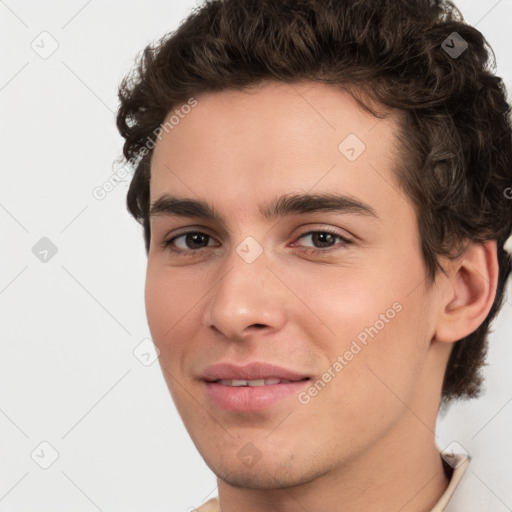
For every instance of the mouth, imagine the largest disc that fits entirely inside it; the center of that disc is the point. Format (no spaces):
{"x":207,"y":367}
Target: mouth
{"x":255,"y":383}
{"x":253,"y":387}
{"x":254,"y":373}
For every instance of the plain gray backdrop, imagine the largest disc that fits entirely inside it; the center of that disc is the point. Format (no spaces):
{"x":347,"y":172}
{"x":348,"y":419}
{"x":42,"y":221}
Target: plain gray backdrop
{"x":86,"y":422}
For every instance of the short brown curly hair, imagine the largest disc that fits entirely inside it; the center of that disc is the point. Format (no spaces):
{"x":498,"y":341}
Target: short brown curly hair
{"x":456,"y":135}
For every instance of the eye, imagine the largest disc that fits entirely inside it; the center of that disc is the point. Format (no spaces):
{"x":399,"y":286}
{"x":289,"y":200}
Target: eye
{"x":188,"y":243}
{"x":323,"y":241}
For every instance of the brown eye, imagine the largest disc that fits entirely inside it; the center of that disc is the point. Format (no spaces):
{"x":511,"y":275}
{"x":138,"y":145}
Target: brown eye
{"x":324,"y":239}
{"x":194,"y":240}
{"x":188,"y":243}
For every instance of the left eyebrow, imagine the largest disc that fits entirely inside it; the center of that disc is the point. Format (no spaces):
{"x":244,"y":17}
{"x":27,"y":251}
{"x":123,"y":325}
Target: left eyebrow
{"x":308,"y":203}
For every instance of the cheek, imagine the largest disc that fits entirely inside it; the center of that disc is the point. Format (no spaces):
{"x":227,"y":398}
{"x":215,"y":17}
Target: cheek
{"x":385,"y":373}
{"x":343,"y":303}
{"x":378,"y":327}
{"x":170,"y":300}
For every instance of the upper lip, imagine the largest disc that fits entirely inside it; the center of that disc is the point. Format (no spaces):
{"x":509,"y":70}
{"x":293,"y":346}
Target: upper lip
{"x":251,"y":371}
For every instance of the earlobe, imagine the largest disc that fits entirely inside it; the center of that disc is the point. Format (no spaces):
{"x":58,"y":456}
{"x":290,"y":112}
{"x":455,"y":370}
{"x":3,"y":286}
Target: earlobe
{"x":473,"y":279}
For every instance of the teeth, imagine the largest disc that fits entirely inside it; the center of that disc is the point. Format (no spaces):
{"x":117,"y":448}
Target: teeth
{"x":252,"y":383}
{"x":238,"y":382}
{"x":258,"y":382}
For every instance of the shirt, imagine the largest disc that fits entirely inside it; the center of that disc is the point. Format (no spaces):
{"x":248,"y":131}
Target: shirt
{"x":455,"y":469}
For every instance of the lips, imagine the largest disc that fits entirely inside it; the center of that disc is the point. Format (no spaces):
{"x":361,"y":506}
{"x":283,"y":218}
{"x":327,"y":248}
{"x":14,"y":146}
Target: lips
{"x":254,"y":371}
{"x":253,"y":387}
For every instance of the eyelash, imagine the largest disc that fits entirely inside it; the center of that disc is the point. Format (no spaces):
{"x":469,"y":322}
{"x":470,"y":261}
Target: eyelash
{"x":167,"y":244}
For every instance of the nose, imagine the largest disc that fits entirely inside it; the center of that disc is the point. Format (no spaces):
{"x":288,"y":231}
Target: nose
{"x":247,"y":298}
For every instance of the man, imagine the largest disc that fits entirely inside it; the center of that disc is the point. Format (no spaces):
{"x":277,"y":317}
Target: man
{"x":323,"y":189}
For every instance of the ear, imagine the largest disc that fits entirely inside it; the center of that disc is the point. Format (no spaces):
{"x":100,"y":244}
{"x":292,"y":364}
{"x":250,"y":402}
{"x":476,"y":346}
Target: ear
{"x":470,"y":291}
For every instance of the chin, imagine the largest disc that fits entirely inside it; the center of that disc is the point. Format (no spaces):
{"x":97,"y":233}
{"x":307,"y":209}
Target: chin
{"x":263,"y":474}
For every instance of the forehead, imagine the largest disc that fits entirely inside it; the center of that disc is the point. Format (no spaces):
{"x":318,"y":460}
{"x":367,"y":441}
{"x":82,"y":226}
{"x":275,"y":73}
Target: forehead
{"x":275,"y":138}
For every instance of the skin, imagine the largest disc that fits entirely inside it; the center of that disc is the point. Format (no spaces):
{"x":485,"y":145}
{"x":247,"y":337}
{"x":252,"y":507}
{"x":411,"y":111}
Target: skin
{"x":366,"y":441}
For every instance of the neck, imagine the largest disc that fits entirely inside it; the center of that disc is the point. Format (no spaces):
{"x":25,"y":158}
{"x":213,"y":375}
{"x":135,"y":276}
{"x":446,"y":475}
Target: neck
{"x":403,"y":471}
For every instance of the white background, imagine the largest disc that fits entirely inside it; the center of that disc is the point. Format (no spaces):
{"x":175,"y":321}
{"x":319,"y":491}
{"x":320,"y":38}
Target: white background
{"x":68,"y":327}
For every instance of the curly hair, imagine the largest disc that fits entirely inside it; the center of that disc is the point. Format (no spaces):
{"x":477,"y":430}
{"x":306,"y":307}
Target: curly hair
{"x":455,"y":128}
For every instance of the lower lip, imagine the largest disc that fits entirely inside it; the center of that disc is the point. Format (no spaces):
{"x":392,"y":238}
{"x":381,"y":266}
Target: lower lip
{"x":247,"y":398}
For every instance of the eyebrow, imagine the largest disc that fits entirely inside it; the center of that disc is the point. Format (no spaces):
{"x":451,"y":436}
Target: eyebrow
{"x":289,"y":204}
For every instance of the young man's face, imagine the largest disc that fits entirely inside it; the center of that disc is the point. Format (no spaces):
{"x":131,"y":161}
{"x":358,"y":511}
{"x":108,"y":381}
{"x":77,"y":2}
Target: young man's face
{"x":356,"y":318}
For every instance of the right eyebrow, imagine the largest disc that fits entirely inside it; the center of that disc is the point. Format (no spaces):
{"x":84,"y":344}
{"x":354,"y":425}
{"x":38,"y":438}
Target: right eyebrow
{"x":167,"y":205}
